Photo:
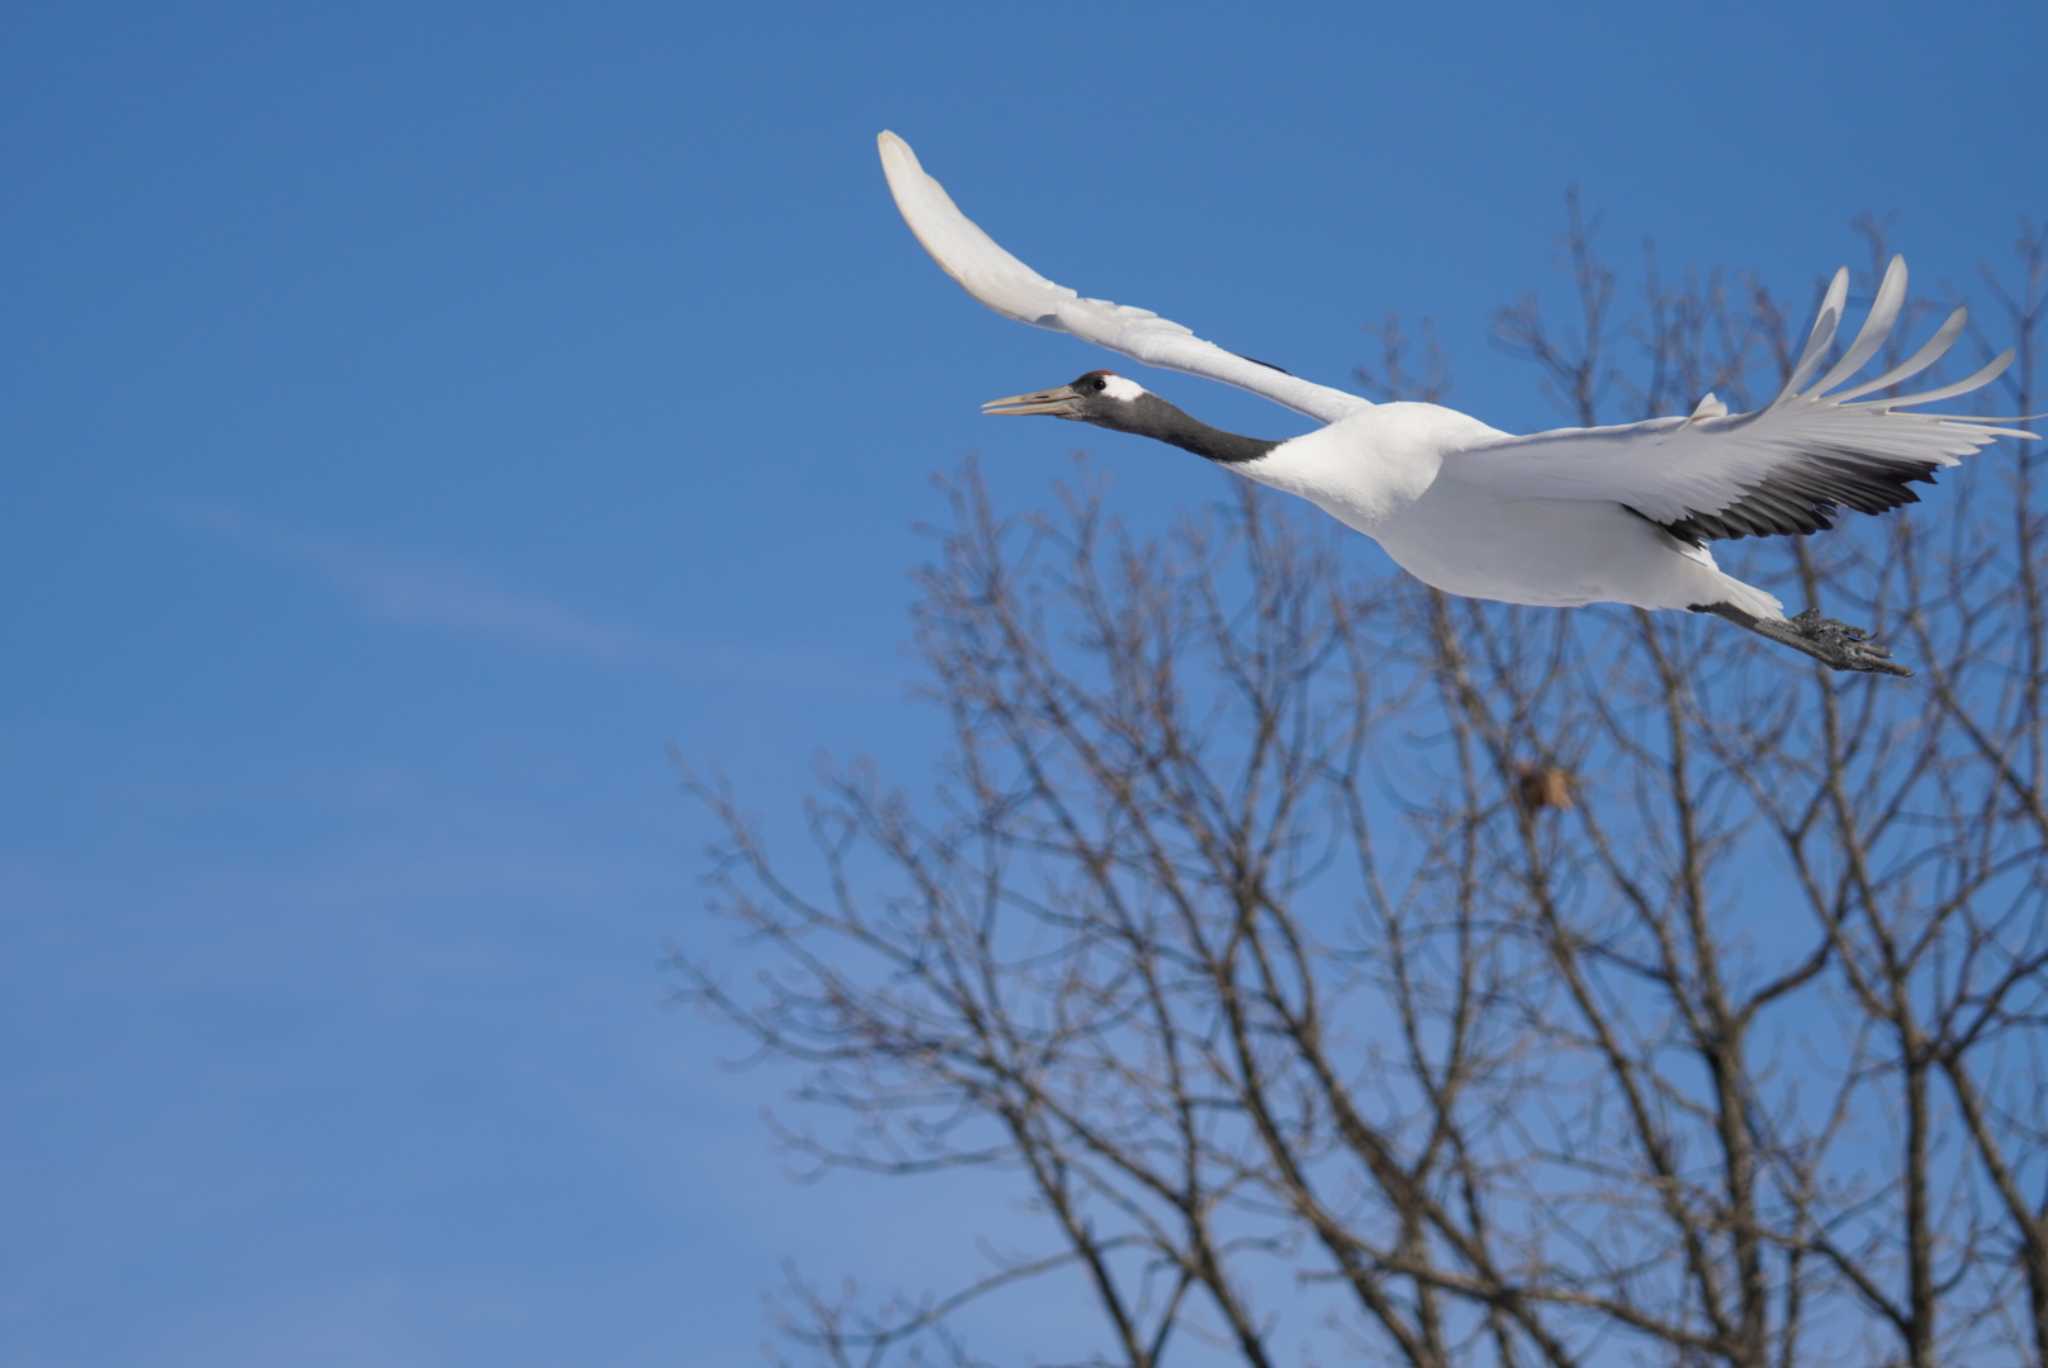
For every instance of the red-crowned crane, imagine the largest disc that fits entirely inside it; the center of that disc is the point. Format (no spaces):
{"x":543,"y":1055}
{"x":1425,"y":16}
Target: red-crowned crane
{"x":1563,"y":518}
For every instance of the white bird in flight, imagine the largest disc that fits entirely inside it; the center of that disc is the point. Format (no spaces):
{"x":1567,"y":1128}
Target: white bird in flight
{"x":1562,"y":518}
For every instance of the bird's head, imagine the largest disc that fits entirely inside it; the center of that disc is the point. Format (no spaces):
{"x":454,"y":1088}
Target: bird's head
{"x":1101,"y":397}
{"x":1108,"y":400}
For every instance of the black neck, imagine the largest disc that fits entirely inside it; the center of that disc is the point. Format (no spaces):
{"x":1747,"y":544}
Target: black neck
{"x":1151,"y":416}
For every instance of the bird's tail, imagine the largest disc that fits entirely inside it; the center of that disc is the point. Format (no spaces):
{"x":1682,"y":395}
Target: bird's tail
{"x":1751,"y":601}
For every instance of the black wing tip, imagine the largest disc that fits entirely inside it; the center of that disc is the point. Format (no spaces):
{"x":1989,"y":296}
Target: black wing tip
{"x":1805,"y":497}
{"x":1267,"y":364}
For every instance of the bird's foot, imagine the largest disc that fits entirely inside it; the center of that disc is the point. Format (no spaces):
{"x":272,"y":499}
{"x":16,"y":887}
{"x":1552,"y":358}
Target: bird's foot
{"x":1834,"y":644}
{"x":1842,"y":647}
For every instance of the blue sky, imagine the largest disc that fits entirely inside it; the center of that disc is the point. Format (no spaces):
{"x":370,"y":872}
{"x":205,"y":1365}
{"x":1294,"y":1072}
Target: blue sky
{"x":415,"y":418}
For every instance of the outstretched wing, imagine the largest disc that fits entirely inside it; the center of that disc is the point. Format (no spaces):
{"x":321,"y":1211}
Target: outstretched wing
{"x":1014,"y":290}
{"x":1785,"y":468}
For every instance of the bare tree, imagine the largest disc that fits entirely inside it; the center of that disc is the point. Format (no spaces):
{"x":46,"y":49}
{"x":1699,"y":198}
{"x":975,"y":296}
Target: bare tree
{"x":1332,"y":960}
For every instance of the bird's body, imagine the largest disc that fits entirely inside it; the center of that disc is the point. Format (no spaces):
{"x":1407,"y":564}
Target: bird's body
{"x":1381,"y":471}
{"x":1557,"y":519}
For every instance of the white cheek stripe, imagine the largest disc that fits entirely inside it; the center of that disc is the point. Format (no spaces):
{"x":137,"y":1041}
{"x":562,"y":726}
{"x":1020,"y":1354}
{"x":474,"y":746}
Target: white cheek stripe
{"x":1116,"y":387}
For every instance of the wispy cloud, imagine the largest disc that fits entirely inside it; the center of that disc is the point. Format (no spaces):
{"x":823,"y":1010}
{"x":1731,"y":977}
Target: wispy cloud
{"x":387,"y":585}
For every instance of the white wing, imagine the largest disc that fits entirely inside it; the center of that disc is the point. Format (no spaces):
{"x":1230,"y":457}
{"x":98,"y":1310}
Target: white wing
{"x":1785,"y":468}
{"x":1014,"y":290}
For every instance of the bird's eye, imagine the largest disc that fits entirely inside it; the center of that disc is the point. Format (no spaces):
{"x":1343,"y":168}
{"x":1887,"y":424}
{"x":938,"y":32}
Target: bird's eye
{"x":1100,"y":385}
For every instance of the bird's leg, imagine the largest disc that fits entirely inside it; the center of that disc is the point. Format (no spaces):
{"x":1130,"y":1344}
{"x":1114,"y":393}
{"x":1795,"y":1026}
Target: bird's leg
{"x":1834,"y":644}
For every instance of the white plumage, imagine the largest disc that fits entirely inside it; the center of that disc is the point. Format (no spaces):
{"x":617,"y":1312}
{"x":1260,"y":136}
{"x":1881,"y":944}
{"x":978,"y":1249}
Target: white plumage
{"x":1014,"y":290}
{"x":1563,"y":518}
